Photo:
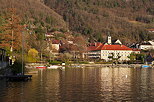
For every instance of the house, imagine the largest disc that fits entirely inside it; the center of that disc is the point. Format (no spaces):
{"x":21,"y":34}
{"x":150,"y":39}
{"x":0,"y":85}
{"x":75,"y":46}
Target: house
{"x":150,"y":30}
{"x":102,"y":51}
{"x":134,"y":45}
{"x":55,"y":45}
{"x":105,"y":51}
{"x":118,"y":42}
{"x":51,"y":35}
{"x":146,"y":45}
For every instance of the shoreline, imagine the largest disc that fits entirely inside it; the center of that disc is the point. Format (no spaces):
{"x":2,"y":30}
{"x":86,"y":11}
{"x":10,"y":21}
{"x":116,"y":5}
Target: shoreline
{"x":108,"y":65}
{"x":33,"y":70}
{"x":95,"y":65}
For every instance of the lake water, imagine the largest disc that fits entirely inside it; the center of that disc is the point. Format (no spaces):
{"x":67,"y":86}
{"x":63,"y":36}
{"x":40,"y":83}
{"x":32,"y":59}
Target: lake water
{"x":83,"y":84}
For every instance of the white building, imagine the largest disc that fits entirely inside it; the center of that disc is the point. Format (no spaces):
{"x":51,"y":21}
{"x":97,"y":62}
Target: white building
{"x":147,"y":45}
{"x":150,"y":30}
{"x":105,"y":51}
{"x":118,"y":42}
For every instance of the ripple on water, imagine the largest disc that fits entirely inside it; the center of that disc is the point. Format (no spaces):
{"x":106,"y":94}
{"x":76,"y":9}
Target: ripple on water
{"x":86,"y":84}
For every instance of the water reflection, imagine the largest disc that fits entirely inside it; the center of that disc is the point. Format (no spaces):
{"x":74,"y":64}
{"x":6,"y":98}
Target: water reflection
{"x":82,"y":84}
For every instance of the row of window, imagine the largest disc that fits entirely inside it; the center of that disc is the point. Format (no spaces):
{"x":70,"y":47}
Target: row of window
{"x":115,"y":55}
{"x":116,"y":52}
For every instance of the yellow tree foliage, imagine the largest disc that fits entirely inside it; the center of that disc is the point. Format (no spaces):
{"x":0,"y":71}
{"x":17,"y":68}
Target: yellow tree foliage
{"x":33,"y":53}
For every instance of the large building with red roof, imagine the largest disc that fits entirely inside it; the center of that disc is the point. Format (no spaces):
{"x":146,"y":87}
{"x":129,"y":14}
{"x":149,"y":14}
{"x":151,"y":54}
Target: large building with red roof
{"x":105,"y":51}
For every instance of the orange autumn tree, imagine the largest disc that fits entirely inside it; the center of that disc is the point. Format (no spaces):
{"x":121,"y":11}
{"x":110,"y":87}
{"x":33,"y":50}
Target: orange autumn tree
{"x":11,"y":30}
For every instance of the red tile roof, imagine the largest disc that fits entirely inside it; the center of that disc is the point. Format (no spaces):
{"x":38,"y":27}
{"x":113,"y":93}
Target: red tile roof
{"x":94,"y":46}
{"x":135,"y":49}
{"x":115,"y":47}
{"x":55,"y":41}
{"x":150,"y":29}
{"x":108,"y":47}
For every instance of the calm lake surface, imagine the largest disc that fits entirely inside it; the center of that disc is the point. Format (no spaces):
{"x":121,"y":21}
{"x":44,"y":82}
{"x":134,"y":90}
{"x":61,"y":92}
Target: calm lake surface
{"x":83,"y":84}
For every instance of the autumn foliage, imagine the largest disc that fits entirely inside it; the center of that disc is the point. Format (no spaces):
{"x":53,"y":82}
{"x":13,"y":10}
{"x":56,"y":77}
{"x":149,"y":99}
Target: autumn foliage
{"x":11,"y":30}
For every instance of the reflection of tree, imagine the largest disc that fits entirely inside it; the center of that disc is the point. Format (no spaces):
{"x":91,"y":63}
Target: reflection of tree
{"x":114,"y":57}
{"x":132,"y":57}
{"x":141,"y":57}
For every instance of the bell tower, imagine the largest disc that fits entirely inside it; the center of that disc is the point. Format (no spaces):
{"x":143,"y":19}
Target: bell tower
{"x":109,"y":40}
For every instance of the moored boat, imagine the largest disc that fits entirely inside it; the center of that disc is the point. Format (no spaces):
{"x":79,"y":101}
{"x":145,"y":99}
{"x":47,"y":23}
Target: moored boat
{"x":53,"y":67}
{"x":145,"y":66}
{"x":41,"y":67}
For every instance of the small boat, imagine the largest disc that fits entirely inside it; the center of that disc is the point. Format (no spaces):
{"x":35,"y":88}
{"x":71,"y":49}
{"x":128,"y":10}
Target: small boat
{"x":41,"y":67}
{"x":53,"y":67}
{"x":145,"y":66}
{"x":62,"y":68}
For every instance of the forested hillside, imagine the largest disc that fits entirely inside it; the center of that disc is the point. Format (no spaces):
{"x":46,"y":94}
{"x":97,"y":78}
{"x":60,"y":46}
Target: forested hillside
{"x":124,"y":19}
{"x":31,"y":19}
{"x":34,"y":12}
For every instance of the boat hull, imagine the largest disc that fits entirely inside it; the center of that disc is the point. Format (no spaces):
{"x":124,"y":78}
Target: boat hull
{"x":54,"y":67}
{"x":41,"y":67}
{"x":145,"y":66}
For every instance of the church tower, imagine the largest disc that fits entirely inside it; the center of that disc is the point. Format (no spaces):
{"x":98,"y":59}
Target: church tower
{"x":109,"y":40}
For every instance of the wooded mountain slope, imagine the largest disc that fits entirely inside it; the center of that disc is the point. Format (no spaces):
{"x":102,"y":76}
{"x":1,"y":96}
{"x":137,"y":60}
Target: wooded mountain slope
{"x":124,"y":19}
{"x":35,"y":12}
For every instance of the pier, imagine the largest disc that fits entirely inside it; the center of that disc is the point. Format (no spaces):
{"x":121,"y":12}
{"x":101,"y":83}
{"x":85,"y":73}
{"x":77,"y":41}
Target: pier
{"x":17,"y":77}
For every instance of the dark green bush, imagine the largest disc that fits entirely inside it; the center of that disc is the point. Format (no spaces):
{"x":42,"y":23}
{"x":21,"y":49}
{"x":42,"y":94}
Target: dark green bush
{"x":17,"y":67}
{"x":55,"y":62}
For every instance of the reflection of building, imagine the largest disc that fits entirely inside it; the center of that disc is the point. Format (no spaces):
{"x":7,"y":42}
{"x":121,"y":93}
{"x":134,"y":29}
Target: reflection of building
{"x":116,"y":82}
{"x":104,"y":51}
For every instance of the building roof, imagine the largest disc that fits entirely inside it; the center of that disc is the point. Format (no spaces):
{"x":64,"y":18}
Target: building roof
{"x":108,"y":47}
{"x":151,"y":30}
{"x":151,"y":42}
{"x":94,"y":46}
{"x":55,"y":41}
{"x":145,"y":43}
{"x":115,"y":47}
{"x":117,"y":42}
{"x":136,"y":49}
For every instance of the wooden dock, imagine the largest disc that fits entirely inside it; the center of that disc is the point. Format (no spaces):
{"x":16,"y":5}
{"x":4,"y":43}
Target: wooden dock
{"x":18,"y":77}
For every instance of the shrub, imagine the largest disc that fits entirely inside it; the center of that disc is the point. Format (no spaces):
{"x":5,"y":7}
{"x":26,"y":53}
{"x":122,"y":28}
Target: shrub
{"x":55,"y":62}
{"x":82,"y":62}
{"x":17,"y":67}
{"x":103,"y":62}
